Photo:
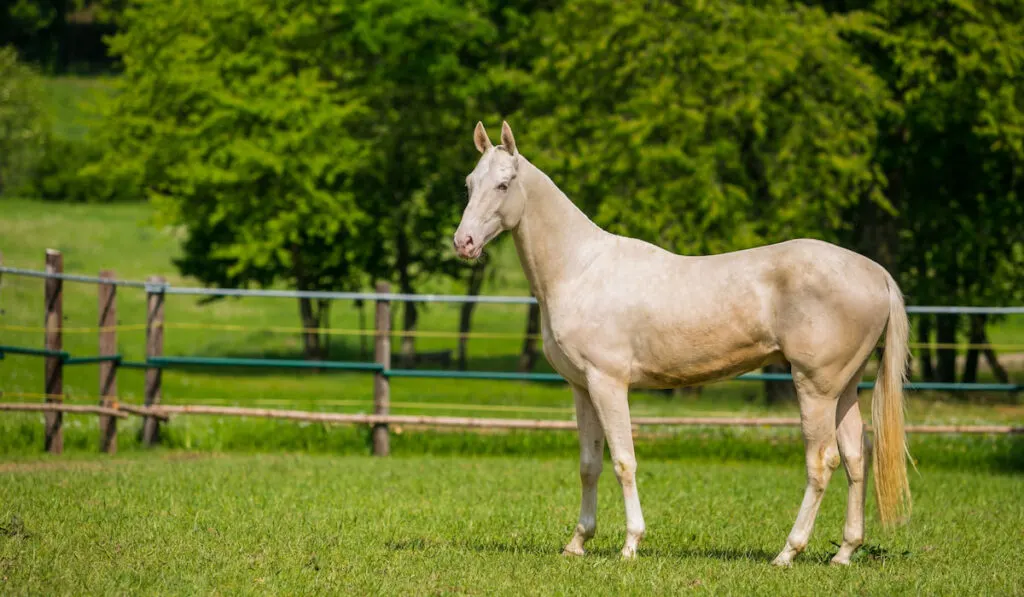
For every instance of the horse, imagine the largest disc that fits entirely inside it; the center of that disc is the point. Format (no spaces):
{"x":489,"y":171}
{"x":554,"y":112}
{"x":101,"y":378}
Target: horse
{"x":619,"y":313}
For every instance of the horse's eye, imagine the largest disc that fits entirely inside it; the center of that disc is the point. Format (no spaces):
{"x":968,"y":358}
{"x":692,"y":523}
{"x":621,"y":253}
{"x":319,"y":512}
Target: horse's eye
{"x":503,"y":186}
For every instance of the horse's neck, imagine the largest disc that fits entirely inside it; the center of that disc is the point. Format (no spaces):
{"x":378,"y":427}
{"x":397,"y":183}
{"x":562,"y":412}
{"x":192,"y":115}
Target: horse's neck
{"x":554,"y":239}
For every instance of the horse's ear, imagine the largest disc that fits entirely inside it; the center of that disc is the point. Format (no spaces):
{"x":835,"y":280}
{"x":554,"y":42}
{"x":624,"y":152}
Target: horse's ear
{"x":507,"y":140}
{"x":480,"y":139}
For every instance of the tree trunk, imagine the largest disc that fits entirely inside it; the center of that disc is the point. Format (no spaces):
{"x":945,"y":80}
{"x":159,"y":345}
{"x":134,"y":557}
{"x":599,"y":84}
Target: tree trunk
{"x":314,"y":343}
{"x":410,"y":312}
{"x":363,"y":350}
{"x":924,"y":336}
{"x":476,"y":281}
{"x":947,"y":354}
{"x":776,"y":392}
{"x":976,"y":336}
{"x":990,"y":357}
{"x":528,"y":356}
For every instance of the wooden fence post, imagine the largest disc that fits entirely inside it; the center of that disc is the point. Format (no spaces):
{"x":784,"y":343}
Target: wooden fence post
{"x":108,"y":369}
{"x":381,"y":385}
{"x":154,"y":348}
{"x":54,"y":365}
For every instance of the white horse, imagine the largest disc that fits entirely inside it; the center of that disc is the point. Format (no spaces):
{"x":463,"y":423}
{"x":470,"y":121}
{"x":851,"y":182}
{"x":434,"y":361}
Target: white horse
{"x":620,"y":313}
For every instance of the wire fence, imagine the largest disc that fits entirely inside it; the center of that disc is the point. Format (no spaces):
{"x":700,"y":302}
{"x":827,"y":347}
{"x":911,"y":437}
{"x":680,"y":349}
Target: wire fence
{"x":111,"y":407}
{"x":170,"y":289}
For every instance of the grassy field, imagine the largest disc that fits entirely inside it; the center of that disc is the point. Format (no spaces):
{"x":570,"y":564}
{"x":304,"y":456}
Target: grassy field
{"x":179,"y":523}
{"x":231,"y":505}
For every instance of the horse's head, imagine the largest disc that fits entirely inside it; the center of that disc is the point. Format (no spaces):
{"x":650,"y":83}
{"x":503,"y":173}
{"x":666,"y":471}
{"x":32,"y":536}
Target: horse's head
{"x":496,"y":197}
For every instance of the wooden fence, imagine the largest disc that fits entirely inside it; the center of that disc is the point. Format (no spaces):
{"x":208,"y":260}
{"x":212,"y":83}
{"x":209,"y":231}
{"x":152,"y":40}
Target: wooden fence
{"x":154,"y":412}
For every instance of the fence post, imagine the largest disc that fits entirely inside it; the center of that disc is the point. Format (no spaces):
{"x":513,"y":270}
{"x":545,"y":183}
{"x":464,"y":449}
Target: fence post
{"x":381,"y":384}
{"x":108,"y":369}
{"x":54,"y":365}
{"x":154,"y":348}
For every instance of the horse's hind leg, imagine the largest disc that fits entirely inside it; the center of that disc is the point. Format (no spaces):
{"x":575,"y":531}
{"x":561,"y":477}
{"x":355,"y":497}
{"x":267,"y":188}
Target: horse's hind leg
{"x":853,"y":446}
{"x":818,"y":421}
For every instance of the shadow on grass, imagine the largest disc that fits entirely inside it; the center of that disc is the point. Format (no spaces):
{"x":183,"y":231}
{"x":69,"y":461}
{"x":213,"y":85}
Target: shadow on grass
{"x":555,"y":549}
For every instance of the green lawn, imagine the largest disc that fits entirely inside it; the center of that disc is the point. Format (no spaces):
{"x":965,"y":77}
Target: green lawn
{"x":179,"y":523}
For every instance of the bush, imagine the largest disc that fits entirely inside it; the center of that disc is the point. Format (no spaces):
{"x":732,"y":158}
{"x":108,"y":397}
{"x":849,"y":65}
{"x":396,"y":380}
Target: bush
{"x":66,"y":170}
{"x":23,"y":125}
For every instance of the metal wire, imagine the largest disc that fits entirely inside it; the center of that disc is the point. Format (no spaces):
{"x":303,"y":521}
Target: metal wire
{"x":165,"y":288}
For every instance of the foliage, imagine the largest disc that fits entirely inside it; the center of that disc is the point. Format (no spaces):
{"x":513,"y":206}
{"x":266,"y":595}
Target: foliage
{"x":23,"y":125}
{"x":232,"y":122}
{"x":66,"y":171}
{"x":309,"y":142}
{"x":38,"y":28}
{"x":953,"y":152}
{"x":708,"y":127}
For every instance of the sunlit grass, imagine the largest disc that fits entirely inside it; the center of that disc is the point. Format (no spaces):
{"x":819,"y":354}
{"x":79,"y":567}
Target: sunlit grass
{"x":299,"y":524}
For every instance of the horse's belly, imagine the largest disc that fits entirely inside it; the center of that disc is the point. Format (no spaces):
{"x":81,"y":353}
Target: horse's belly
{"x":653,"y":373}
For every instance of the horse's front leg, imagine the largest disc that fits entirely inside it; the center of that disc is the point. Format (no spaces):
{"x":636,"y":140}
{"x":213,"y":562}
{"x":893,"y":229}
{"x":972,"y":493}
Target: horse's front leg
{"x":591,"y":460}
{"x":610,"y":400}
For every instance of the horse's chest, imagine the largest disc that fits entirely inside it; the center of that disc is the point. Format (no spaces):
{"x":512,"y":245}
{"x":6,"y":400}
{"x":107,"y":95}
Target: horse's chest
{"x":563,"y":357}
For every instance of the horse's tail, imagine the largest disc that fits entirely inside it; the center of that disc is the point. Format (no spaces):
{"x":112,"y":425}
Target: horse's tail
{"x":892,"y":490}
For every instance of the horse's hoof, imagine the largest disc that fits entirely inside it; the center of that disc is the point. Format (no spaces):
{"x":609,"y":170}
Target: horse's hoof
{"x":838,"y":561}
{"x":628,"y":553}
{"x":573,"y":552}
{"x":782,"y":561}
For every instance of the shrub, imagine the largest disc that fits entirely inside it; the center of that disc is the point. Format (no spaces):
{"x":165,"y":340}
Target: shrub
{"x":68,"y":170}
{"x":23,"y":125}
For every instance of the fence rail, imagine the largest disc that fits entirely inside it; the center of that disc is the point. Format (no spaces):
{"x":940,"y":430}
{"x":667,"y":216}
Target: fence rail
{"x":155,"y":362}
{"x":165,"y":288}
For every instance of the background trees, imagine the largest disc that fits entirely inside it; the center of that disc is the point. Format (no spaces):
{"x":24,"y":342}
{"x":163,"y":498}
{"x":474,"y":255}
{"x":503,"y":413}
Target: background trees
{"x":22,"y":121}
{"x":323,"y":143}
{"x":952,"y":152}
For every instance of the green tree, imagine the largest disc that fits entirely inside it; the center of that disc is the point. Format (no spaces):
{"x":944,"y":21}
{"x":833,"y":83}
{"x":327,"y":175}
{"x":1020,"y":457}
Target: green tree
{"x":432,"y":69}
{"x":708,"y":127}
{"x":23,"y":125}
{"x":315,"y":143}
{"x":953,"y":155}
{"x":229,"y":120}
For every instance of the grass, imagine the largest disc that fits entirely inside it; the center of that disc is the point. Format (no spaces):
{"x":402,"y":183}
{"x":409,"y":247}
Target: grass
{"x":179,"y":523}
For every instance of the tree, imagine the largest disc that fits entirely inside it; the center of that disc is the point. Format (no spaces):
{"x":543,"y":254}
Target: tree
{"x":23,"y":125}
{"x":315,"y":143}
{"x":953,"y":155}
{"x":435,"y":67}
{"x":227,"y":117}
{"x":708,"y":127}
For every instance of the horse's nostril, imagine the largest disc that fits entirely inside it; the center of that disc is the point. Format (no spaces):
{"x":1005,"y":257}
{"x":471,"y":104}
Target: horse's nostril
{"x":469,"y":241}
